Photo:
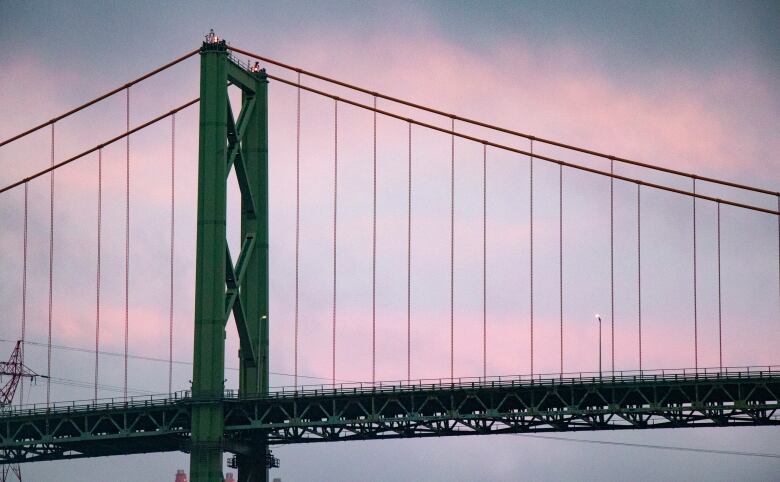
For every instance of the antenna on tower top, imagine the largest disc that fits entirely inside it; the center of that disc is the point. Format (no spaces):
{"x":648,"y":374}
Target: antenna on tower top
{"x":211,"y":37}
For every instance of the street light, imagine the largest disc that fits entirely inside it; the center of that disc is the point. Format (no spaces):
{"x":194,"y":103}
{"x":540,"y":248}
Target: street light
{"x":598,"y":317}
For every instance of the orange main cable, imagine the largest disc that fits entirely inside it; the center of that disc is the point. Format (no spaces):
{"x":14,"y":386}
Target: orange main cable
{"x":503,"y":129}
{"x":526,"y":153}
{"x":99,"y":146}
{"x":102,"y":97}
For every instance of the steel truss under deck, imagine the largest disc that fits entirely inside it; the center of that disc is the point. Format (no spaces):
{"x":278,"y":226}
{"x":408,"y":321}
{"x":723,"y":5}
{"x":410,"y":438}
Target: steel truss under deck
{"x":417,"y":409}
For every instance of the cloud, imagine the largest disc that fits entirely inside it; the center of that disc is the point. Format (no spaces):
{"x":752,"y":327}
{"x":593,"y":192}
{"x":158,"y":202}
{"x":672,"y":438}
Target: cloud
{"x":683,"y":120}
{"x":686,"y":122}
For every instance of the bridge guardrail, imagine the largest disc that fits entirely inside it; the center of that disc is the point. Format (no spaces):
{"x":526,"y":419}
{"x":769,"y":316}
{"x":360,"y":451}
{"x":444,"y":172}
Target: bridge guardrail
{"x":426,"y":384}
{"x":540,"y":379}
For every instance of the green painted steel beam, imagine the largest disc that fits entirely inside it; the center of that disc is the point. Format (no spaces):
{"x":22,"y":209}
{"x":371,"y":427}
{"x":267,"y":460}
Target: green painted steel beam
{"x":252,"y":175}
{"x":221,"y":287}
{"x":236,"y":154}
{"x":234,"y":148}
{"x":242,"y":78}
{"x":209,"y":343}
{"x":352,"y":412}
{"x":246,"y":253}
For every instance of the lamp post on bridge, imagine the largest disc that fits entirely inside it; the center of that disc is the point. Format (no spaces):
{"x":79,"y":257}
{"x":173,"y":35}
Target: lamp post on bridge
{"x":598,"y":317}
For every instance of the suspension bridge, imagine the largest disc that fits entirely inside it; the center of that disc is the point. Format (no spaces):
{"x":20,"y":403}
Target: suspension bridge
{"x":461,"y":394}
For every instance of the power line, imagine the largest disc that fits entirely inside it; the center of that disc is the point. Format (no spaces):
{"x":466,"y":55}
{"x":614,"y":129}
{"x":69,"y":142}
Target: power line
{"x":650,"y":446}
{"x":152,"y":359}
{"x":110,"y":388}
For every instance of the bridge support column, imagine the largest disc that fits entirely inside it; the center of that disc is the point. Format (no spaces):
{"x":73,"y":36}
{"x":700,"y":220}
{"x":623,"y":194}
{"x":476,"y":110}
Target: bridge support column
{"x":253,"y":377}
{"x":223,"y":288}
{"x":209,"y":351}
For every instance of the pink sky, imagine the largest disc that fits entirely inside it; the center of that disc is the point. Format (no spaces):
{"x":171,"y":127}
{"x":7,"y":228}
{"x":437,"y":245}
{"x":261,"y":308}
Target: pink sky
{"x":689,"y":123}
{"x":692,"y":86}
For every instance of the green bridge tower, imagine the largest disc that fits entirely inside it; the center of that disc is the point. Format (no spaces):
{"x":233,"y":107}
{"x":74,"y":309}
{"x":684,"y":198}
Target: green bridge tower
{"x":222,"y":287}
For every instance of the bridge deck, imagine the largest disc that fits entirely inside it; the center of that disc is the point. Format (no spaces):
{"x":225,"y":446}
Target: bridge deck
{"x":418,"y":409}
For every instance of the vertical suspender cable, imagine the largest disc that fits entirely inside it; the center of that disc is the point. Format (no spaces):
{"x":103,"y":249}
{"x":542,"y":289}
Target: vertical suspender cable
{"x":409,"y":262}
{"x":335,"y":214}
{"x":720,"y":308}
{"x":297,"y":224}
{"x":452,"y":251}
{"x":778,"y":253}
{"x":484,"y":260}
{"x":695,"y":290}
{"x":639,"y":265}
{"x":612,"y":259}
{"x":24,"y":289}
{"x":127,"y":236}
{"x":173,"y":232}
{"x":97,"y":268}
{"x":51,"y":269}
{"x":560,"y":248}
{"x":373,"y":265}
{"x":531,"y":235}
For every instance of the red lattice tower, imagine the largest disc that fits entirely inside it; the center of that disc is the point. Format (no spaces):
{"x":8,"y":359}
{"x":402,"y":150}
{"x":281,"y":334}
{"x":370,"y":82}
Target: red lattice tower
{"x":15,"y":369}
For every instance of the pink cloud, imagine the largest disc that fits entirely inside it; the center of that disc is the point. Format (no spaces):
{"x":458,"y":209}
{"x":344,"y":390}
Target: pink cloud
{"x":556,"y":94}
{"x":686,"y":122}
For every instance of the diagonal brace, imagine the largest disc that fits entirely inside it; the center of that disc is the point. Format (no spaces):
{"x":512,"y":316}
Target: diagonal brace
{"x":236,"y":153}
{"x":233,"y":298}
{"x":236,"y":131}
{"x":234,"y":277}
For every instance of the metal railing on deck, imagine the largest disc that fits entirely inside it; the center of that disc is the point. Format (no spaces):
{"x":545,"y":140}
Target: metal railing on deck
{"x":421,"y":385}
{"x":549,"y":379}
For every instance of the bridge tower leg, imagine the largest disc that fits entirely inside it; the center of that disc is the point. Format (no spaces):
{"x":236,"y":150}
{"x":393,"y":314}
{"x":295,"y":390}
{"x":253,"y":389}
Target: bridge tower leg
{"x":222,"y":288}
{"x":209,"y":352}
{"x":253,"y":377}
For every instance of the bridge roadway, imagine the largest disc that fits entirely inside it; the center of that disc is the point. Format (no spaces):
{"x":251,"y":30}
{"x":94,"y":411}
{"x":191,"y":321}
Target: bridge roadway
{"x":423,"y":408}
